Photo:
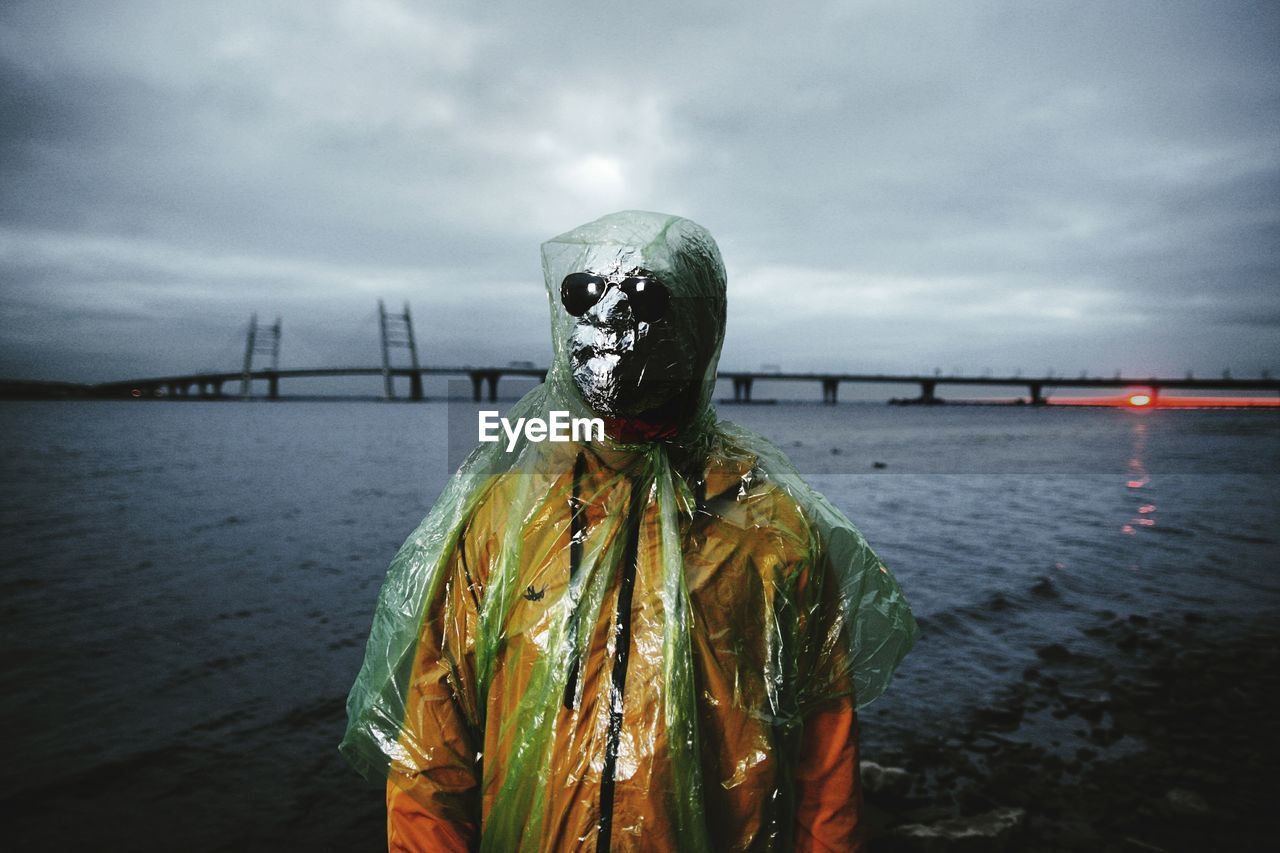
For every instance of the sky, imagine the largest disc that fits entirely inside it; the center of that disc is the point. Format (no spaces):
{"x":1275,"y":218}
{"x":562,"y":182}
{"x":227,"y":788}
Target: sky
{"x":895,"y":186}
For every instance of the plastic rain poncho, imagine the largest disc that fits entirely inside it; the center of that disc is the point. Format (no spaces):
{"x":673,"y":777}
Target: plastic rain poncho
{"x":617,"y":643}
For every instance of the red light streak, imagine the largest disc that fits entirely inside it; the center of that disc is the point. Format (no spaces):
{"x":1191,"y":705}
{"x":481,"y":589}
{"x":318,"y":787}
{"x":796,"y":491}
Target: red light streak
{"x":1164,"y":401}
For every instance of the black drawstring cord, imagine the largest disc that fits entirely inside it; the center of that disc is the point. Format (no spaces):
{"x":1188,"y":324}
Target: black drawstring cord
{"x":622,"y":641}
{"x":577,"y":533}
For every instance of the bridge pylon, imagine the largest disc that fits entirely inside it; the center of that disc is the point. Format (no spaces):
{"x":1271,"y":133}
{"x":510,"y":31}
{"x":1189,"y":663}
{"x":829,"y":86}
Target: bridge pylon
{"x":264,"y":341}
{"x":397,"y":331}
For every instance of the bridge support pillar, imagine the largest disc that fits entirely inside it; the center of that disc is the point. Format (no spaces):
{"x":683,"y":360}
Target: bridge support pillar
{"x":477,"y":380}
{"x":397,"y":331}
{"x":273,"y":386}
{"x":742,"y":389}
{"x":493,"y":386}
{"x":829,"y":387}
{"x":1037,"y":395}
{"x":217,"y":388}
{"x":927,"y":389}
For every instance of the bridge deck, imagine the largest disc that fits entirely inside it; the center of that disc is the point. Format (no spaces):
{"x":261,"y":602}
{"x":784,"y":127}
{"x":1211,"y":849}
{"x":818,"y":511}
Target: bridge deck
{"x":210,"y":384}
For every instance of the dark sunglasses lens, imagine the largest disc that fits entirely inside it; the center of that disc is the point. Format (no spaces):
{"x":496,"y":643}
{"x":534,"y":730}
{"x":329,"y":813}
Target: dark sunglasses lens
{"x":648,"y":299}
{"x":579,"y":291}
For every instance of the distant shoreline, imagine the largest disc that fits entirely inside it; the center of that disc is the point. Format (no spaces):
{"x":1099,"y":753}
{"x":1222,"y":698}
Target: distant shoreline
{"x":29,"y":390}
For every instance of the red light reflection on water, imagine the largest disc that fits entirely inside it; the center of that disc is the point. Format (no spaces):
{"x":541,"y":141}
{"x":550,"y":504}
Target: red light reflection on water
{"x":1139,"y":479}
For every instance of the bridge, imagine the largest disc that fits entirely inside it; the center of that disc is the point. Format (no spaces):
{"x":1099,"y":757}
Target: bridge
{"x":486,"y":379}
{"x":397,"y":333}
{"x":1036,"y":386}
{"x":210,"y":385}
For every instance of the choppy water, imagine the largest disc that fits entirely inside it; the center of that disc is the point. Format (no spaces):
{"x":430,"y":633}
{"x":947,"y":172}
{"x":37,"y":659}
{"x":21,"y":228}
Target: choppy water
{"x":186,"y":587}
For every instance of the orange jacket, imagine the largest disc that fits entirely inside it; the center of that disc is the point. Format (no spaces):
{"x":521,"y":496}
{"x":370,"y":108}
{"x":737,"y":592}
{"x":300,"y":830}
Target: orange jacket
{"x":776,"y":727}
{"x":828,"y":812}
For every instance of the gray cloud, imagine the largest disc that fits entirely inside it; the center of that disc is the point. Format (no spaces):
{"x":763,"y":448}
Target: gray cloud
{"x":896,"y":186}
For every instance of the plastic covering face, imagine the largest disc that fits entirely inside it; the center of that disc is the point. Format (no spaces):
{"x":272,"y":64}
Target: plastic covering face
{"x":618,"y":641}
{"x":629,"y":357}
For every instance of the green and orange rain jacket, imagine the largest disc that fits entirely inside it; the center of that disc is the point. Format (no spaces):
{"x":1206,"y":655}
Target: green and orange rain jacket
{"x":627,"y":645}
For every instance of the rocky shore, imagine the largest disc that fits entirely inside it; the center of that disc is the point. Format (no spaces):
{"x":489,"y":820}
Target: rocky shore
{"x":1160,"y":737}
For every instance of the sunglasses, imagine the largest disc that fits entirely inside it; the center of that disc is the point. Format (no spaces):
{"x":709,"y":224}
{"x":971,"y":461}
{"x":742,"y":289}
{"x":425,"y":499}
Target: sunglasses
{"x":645,"y":295}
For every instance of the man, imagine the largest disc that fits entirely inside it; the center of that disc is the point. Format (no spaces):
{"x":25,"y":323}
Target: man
{"x":657,"y":641}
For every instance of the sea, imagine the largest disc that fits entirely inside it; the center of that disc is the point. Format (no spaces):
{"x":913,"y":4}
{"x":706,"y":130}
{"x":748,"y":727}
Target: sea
{"x":187,"y":586}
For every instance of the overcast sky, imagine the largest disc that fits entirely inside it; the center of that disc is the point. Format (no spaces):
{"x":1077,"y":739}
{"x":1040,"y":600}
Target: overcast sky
{"x":895,"y":186}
